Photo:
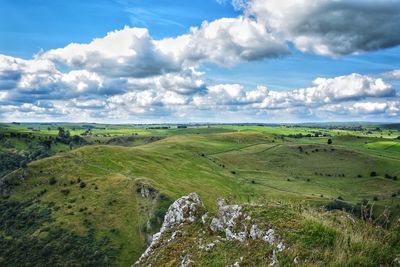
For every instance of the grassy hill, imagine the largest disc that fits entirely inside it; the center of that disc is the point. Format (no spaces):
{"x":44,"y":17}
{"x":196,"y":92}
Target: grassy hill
{"x":301,"y":236}
{"x":93,"y":195}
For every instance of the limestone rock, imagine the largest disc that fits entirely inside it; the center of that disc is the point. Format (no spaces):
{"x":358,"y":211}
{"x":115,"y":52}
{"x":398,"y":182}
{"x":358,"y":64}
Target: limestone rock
{"x":255,"y":232}
{"x":204,"y":218}
{"x":145,"y":190}
{"x":186,"y":261}
{"x":227,"y":220}
{"x":184,"y":210}
{"x":269,"y":237}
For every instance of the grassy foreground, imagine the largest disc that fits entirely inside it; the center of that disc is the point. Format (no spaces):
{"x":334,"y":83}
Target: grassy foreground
{"x":312,"y":237}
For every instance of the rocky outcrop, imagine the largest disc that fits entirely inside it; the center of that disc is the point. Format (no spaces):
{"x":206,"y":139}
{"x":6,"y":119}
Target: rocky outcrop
{"x":236,"y":226}
{"x":229,"y":224}
{"x":145,"y":190}
{"x":228,"y":220}
{"x":186,"y":209}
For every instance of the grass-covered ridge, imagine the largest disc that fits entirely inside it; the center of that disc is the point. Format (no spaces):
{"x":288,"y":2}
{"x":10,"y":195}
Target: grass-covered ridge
{"x":311,"y":237}
{"x":100,"y":184}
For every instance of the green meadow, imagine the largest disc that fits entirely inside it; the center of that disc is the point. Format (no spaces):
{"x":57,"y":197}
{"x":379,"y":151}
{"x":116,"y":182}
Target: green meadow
{"x":89,"y":192}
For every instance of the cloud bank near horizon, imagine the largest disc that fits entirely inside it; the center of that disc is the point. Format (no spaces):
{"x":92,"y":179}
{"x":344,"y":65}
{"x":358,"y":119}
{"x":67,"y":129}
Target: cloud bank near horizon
{"x":131,"y":77}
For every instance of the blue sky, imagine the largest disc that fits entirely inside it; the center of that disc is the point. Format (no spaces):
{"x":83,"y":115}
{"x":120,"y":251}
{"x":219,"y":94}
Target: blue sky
{"x":27,"y":26}
{"x":284,"y":59}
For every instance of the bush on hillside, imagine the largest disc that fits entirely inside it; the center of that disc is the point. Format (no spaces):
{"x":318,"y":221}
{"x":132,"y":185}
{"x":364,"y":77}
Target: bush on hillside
{"x":52,"y":180}
{"x":82,"y":184}
{"x":65,"y":191}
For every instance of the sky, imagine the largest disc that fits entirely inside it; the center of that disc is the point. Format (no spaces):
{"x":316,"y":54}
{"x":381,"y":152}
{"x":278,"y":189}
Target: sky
{"x":155,"y":61}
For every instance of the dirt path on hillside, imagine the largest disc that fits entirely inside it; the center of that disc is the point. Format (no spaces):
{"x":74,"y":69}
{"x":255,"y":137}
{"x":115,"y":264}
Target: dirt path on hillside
{"x":245,"y":147}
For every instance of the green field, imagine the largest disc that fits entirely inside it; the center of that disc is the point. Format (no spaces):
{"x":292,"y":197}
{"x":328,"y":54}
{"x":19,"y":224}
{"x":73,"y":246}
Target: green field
{"x":244,"y":164}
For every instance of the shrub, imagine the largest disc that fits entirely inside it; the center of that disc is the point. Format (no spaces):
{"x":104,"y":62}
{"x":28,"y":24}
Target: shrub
{"x":23,"y":164}
{"x":41,"y":193}
{"x":329,"y":142}
{"x":338,"y":204}
{"x":52,"y":180}
{"x":65,"y":191}
{"x":373,"y":174}
{"x":82,"y":184}
{"x":376,"y":198}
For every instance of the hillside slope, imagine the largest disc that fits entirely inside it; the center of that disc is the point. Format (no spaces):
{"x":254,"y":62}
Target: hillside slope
{"x":266,"y":233}
{"x":111,"y":199}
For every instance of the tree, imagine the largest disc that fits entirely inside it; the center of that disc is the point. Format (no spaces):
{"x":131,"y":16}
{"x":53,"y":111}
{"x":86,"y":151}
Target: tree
{"x":47,"y":143}
{"x":61,"y":132}
{"x":330,"y":141}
